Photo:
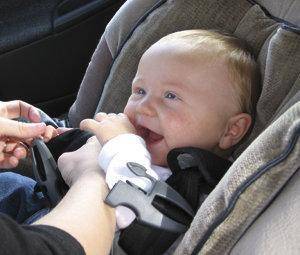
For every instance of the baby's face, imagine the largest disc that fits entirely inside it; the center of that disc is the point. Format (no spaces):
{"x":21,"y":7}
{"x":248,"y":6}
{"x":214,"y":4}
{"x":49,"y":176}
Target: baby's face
{"x":179,"y":100}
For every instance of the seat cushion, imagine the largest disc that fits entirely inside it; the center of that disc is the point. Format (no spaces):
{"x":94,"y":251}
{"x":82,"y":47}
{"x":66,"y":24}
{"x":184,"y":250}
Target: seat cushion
{"x":276,"y":231}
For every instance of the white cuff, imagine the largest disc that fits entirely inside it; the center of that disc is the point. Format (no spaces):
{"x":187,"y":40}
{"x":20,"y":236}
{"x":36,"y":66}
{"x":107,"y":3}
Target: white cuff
{"x":126,"y":144}
{"x":120,"y":150}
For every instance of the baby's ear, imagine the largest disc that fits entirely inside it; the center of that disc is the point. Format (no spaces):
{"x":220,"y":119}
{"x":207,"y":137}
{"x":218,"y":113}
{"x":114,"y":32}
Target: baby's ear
{"x":237,"y":127}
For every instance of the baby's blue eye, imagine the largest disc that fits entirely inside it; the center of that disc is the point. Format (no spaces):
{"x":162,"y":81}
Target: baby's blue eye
{"x":140,"y":91}
{"x":170,"y":95}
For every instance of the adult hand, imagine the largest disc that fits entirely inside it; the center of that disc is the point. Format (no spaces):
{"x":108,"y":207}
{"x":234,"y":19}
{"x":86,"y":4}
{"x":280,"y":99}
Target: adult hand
{"x":74,"y":165}
{"x":12,"y":132}
{"x":107,"y":126}
{"x":82,"y":212}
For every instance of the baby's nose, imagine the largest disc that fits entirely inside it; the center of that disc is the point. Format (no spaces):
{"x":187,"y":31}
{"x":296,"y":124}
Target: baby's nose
{"x":146,"y":107}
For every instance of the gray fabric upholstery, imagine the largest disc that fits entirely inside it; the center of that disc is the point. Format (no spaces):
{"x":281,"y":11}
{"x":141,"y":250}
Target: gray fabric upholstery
{"x":292,"y":101}
{"x":276,"y":231}
{"x":280,"y":68}
{"x":256,"y":28}
{"x":236,"y":202}
{"x":91,"y":87}
{"x":96,"y":74}
{"x":124,"y":21}
{"x":288,"y":9}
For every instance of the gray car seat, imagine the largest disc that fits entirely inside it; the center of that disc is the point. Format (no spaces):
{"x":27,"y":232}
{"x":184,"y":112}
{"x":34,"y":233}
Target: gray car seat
{"x":253,"y":210}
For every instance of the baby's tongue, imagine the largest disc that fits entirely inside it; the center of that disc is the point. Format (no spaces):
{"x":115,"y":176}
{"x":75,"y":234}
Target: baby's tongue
{"x":153,"y":137}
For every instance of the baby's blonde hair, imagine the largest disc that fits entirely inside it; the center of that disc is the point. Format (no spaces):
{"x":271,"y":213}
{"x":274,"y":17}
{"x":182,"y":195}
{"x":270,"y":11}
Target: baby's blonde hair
{"x":242,"y":66}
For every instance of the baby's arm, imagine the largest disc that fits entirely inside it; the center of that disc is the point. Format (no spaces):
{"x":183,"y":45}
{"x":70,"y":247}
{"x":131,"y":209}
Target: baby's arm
{"x":107,"y":126}
{"x":113,"y":158}
{"x":120,"y":146}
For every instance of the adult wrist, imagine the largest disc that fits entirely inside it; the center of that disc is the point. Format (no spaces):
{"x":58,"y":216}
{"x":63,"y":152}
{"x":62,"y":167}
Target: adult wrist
{"x":92,"y":179}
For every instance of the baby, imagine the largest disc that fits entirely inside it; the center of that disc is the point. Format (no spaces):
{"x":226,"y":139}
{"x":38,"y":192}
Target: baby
{"x":192,"y":88}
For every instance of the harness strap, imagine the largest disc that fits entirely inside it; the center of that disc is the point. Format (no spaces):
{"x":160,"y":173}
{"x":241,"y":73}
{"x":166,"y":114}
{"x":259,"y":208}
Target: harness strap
{"x":193,"y":184}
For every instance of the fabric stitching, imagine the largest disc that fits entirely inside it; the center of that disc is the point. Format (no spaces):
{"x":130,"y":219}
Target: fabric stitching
{"x":290,"y":25}
{"x":244,"y":186}
{"x":141,"y":20}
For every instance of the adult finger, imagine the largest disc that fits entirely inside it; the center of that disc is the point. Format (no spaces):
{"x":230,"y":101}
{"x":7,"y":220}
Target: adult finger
{"x":10,"y":146}
{"x":2,"y":146}
{"x":17,"y":108}
{"x":61,"y":130}
{"x":49,"y":133}
{"x":12,"y":128}
{"x":20,"y":152}
{"x":9,"y":162}
{"x":28,"y":142}
{"x":15,"y":148}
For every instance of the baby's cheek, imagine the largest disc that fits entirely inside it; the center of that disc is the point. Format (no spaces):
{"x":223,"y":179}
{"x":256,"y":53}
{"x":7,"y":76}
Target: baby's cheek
{"x":129,"y":110}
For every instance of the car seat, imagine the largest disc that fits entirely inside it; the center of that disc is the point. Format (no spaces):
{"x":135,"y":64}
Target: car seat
{"x":253,"y":210}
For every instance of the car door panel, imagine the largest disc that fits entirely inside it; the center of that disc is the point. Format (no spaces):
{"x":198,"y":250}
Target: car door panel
{"x":48,"y":71}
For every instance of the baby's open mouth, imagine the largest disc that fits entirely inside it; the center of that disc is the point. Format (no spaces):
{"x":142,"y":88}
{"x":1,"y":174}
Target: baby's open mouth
{"x":148,"y":135}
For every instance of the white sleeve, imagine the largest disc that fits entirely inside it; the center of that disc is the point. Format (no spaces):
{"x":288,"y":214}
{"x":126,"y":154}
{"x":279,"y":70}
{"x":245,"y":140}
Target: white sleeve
{"x":120,"y":150}
{"x":113,"y":159}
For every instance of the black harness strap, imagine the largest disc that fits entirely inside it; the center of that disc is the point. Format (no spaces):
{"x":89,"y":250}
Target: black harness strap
{"x":68,"y":141}
{"x":193,"y":183}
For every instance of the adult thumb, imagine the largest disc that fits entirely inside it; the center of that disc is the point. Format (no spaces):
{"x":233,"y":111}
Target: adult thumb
{"x":12,"y":128}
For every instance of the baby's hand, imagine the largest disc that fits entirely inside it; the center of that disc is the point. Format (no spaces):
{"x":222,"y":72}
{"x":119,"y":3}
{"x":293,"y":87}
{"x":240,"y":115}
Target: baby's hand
{"x":108,"y":126}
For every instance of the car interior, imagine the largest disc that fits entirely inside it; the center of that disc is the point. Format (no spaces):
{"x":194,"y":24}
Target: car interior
{"x":76,"y":58}
{"x":45,"y":47}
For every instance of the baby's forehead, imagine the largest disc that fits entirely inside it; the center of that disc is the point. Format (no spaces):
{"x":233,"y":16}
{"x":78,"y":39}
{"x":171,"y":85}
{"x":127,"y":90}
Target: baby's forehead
{"x":183,"y":49}
{"x":176,"y":52}
{"x":185,"y":63}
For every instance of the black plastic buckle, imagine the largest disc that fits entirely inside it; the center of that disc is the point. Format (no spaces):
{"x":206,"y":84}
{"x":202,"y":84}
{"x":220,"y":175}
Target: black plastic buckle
{"x":141,"y":202}
{"x":47,"y":174}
